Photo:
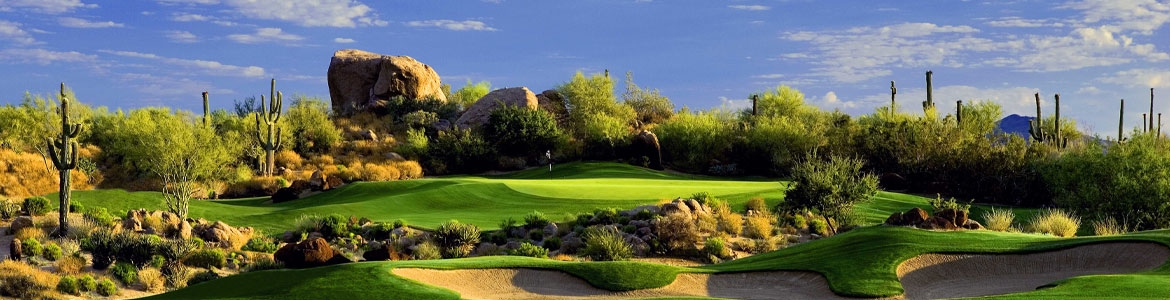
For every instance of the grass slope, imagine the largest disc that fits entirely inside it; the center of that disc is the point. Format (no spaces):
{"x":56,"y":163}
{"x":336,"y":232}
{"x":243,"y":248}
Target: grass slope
{"x":860,"y":263}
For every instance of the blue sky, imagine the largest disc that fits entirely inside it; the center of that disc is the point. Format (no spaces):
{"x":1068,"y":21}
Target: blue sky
{"x":702,"y":54}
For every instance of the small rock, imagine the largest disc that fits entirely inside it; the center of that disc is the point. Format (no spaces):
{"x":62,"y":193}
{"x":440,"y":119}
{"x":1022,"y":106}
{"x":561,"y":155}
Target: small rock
{"x":14,"y":250}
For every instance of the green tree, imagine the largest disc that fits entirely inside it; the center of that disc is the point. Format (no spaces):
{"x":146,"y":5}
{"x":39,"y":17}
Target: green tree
{"x":520,"y":131}
{"x":469,"y":93}
{"x":460,"y":151}
{"x":651,"y":106}
{"x":595,"y":116}
{"x":831,"y":187}
{"x":692,"y":139}
{"x":312,"y":130}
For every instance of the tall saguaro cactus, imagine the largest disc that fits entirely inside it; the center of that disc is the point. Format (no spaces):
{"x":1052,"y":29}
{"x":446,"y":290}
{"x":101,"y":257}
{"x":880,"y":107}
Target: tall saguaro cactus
{"x":893,"y":94}
{"x":1121,"y":123}
{"x":206,"y":112}
{"x":270,"y":116}
{"x":1036,"y":126}
{"x":959,"y":112}
{"x":63,"y":152}
{"x":1150,"y":127}
{"x":929,"y":103}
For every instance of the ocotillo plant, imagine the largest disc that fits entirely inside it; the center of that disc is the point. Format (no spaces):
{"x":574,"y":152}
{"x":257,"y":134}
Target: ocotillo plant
{"x":270,"y":116}
{"x":206,"y":112}
{"x":929,"y":103}
{"x":63,"y":152}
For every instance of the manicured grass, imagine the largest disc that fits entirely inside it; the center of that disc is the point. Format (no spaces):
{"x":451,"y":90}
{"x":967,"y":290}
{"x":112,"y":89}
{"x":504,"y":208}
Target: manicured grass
{"x":1132,"y":286}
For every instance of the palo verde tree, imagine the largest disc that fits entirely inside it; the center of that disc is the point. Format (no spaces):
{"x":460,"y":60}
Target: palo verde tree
{"x":63,"y":153}
{"x":831,"y":187}
{"x":270,"y":115}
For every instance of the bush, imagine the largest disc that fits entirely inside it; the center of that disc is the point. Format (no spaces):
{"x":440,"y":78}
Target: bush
{"x":998,"y":219}
{"x":177,"y":248}
{"x":31,"y":247}
{"x":399,"y":223}
{"x":157,"y":261}
{"x":136,"y":249}
{"x":727,"y":221}
{"x":52,"y":252}
{"x":152,"y":279}
{"x":716,"y":247}
{"x":456,"y":239}
{"x":9,"y":209}
{"x":263,"y":264}
{"x":206,"y":258}
{"x":1056,"y":222}
{"x":519,"y":131}
{"x":29,"y":233}
{"x":832,"y":187}
{"x":677,"y":232}
{"x":36,"y":206}
{"x":68,"y":285}
{"x":202,"y":277}
{"x":426,"y":251}
{"x":1107,"y":227}
{"x":125,"y":272}
{"x":100,"y":216}
{"x":102,"y":245}
{"x":461,"y":151}
{"x":86,"y":283}
{"x":260,"y":244}
{"x":552,"y":243}
{"x":71,"y":264}
{"x":818,"y":226}
{"x":756,"y":204}
{"x":535,"y":220}
{"x":939,"y":204}
{"x":76,"y":207}
{"x":334,"y":225}
{"x":529,"y":250}
{"x":759,"y":226}
{"x":605,"y":243}
{"x":22,"y":280}
{"x":176,"y":274}
{"x":106,"y":287}
{"x":799,"y":221}
{"x":536,"y":234}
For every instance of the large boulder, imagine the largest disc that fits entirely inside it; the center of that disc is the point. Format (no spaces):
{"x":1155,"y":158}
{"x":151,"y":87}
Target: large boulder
{"x":552,"y":102}
{"x":938,"y":223}
{"x":914,"y":217}
{"x":309,"y":253}
{"x":223,"y":235}
{"x":285,"y":195}
{"x":384,"y":252}
{"x":317,"y":182}
{"x":949,"y":214}
{"x":645,"y":144}
{"x":21,"y":222}
{"x":972,"y":225}
{"x":358,"y":79}
{"x":895,"y":219}
{"x":479,"y":113}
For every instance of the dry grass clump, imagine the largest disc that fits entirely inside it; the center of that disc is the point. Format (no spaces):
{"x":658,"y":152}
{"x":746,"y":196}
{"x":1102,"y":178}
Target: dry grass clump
{"x":1056,"y":222}
{"x":288,"y":159}
{"x":408,"y":169}
{"x":727,"y":221}
{"x":70,"y":265}
{"x":756,"y":204}
{"x":1108,"y":226}
{"x":30,"y":232}
{"x":21,"y":280}
{"x":998,"y":219}
{"x":254,"y":186}
{"x":152,"y":280}
{"x":759,"y":226}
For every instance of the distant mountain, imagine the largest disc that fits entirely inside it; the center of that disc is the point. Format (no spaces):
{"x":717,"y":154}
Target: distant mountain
{"x":1015,"y":124}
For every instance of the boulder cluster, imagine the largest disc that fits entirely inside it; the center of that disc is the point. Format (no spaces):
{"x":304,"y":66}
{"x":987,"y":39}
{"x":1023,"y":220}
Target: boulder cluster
{"x":313,"y":252}
{"x":945,"y":219}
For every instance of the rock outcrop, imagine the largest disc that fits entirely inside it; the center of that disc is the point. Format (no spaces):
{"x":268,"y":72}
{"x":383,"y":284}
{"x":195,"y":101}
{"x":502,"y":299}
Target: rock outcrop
{"x":314,"y":252}
{"x":359,"y":79}
{"x":645,"y":144}
{"x":479,"y":113}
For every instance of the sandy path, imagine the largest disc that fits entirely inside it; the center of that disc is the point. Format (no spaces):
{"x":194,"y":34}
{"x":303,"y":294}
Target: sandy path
{"x":551,"y":284}
{"x":934,"y":276}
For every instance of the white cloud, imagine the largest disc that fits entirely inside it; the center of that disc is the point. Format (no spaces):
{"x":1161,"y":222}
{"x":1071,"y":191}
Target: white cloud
{"x":735,"y":104}
{"x":769,"y":76}
{"x":185,"y":37}
{"x":11,"y":31}
{"x":1144,"y":78}
{"x":1023,"y":23}
{"x":307,"y":13}
{"x":186,"y":17}
{"x":452,"y":25}
{"x":1140,"y":16}
{"x":44,"y":6}
{"x":1089,"y":90}
{"x":83,"y":23}
{"x":44,"y":57}
{"x":749,"y":7}
{"x":205,"y":66}
{"x":343,"y":40}
{"x":266,"y":35}
{"x":862,"y":53}
{"x":830,"y":100}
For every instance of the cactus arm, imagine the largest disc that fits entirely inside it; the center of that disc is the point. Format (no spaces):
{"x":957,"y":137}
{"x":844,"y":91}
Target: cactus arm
{"x":278,"y":139}
{"x":72,"y":164}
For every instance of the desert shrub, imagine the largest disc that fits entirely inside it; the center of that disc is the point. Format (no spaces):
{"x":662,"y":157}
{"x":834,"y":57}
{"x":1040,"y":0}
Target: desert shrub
{"x":677,"y":232}
{"x":68,"y":285}
{"x":21,"y":280}
{"x":106,"y":287}
{"x":29,"y":233}
{"x":307,"y":223}
{"x":818,"y":226}
{"x":51,"y":252}
{"x":716,"y":247}
{"x":469,"y":93}
{"x":535,"y":220}
{"x":651,"y":106}
{"x":998,"y":219}
{"x":799,"y":221}
{"x":177,"y":249}
{"x":756,"y":204}
{"x":408,"y":169}
{"x":157,"y":261}
{"x":152,"y":279}
{"x":125,"y":272}
{"x":71,"y":264}
{"x":100,"y":216}
{"x":176,"y":274}
{"x":595,"y":116}
{"x":76,"y":207}
{"x":399,"y":223}
{"x":32,"y":247}
{"x":691,"y":139}
{"x":260,"y":244}
{"x":536,"y":234}
{"x":460,"y":151}
{"x":727,"y":221}
{"x":202,"y":277}
{"x":134,"y":248}
{"x":427,"y":250}
{"x":705,"y":223}
{"x":376,"y":172}
{"x":1056,"y":222}
{"x":1108,"y":226}
{"x":529,"y":250}
{"x":334,"y":225}
{"x":832,"y":187}
{"x":552,"y":243}
{"x":603,"y":217}
{"x":759,"y":226}
{"x":456,"y":239}
{"x":36,"y":206}
{"x":263,"y":264}
{"x":940,"y":204}
{"x":523,"y":132}
{"x":312,"y":130}
{"x":69,"y":247}
{"x":86,"y":283}
{"x":206,"y":258}
{"x":769,"y":245}
{"x":9,"y":209}
{"x":605,"y":243}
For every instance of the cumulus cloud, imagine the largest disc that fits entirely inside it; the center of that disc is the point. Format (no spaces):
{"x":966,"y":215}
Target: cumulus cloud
{"x":343,"y":40}
{"x":307,"y":13}
{"x":186,"y":17}
{"x":44,"y":6}
{"x":1144,"y":78}
{"x":185,"y":37}
{"x":830,"y":100}
{"x":83,"y":23}
{"x":749,"y":7}
{"x":205,"y":66}
{"x":263,"y":35}
{"x":452,"y":25}
{"x":1140,"y":16}
{"x":44,"y":57}
{"x":1023,"y":23}
{"x":11,"y":31}
{"x":769,"y":76}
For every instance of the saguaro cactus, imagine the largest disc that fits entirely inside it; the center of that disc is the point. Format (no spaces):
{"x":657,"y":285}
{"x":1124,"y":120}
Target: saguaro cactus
{"x":206,"y":112}
{"x":270,"y":116}
{"x":1151,"y":125}
{"x":893,"y":94}
{"x":1036,"y":128}
{"x":929,"y":103}
{"x":63,"y":152}
{"x":1121,"y":123}
{"x":959,"y":112}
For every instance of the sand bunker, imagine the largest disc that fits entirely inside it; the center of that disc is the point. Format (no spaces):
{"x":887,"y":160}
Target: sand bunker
{"x":934,"y":276}
{"x":551,"y":284}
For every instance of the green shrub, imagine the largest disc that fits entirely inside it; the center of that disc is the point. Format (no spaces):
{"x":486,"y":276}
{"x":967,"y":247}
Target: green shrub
{"x":106,"y":287}
{"x":998,"y":219}
{"x":313,"y":131}
{"x":759,"y":226}
{"x":704,"y":198}
{"x":717,"y":247}
{"x":202,"y":277}
{"x":461,"y":151}
{"x":135,"y":248}
{"x":818,"y":226}
{"x":176,"y":274}
{"x":1108,"y":226}
{"x":799,"y":221}
{"x":100,"y":216}
{"x":727,"y":221}
{"x":427,"y":250}
{"x":157,"y":261}
{"x":52,"y":252}
{"x":32,"y":247}
{"x":604,"y":217}
{"x":101,"y":244}
{"x":9,"y":209}
{"x":86,"y":283}
{"x":260,"y":244}
{"x":832,"y":187}
{"x":456,"y":239}
{"x":176,"y":249}
{"x":334,"y":225}
{"x":552,"y":243}
{"x":644,"y":214}
{"x":530,"y":250}
{"x":939,"y":204}
{"x":604,"y":243}
{"x":519,"y":131}
{"x":399,"y":223}
{"x":756,"y":204}
{"x":68,"y":285}
{"x":536,"y":234}
{"x":125,"y":272}
{"x":263,"y":264}
{"x":36,"y":206}
{"x":206,"y":258}
{"x":76,"y":207}
{"x":1056,"y":222}
{"x":535,"y":220}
